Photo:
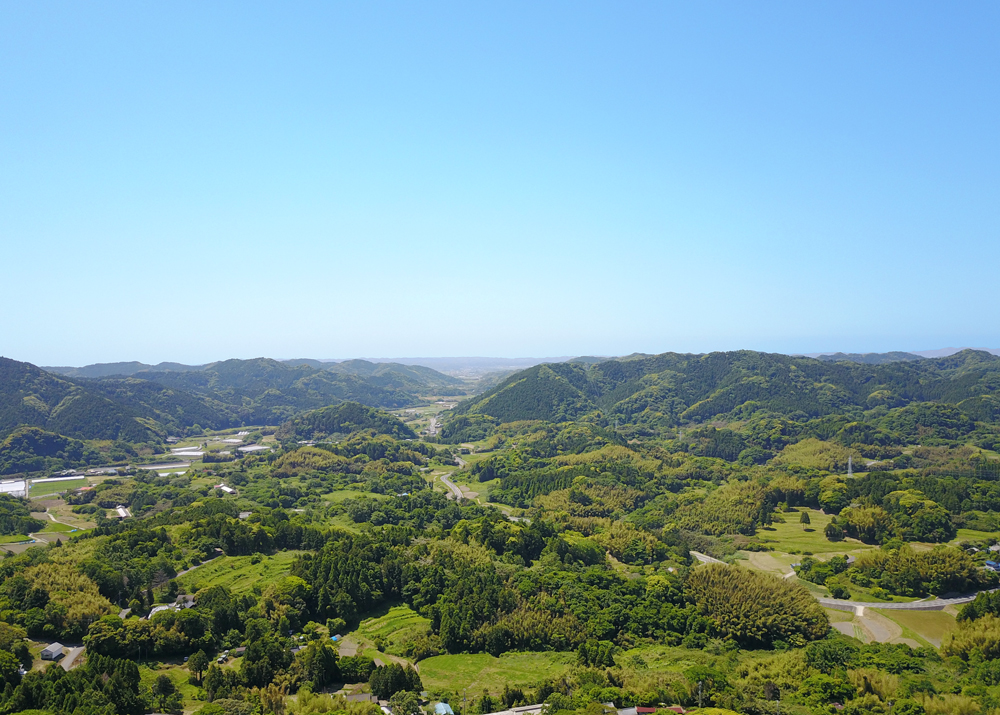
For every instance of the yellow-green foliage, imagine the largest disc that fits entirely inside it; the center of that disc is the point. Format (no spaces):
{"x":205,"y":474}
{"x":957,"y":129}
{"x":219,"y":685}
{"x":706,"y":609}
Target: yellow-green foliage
{"x":734,"y":508}
{"x":982,"y":635}
{"x":913,"y":573}
{"x":754,"y":608}
{"x":949,"y":704}
{"x":610,"y":453}
{"x":307,"y":459}
{"x":871,"y":681}
{"x":71,"y":589}
{"x":869,"y":524}
{"x":630,"y":544}
{"x":817,"y":454}
{"x":786,"y":670}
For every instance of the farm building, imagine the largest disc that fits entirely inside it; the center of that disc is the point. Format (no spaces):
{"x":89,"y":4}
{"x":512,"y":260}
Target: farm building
{"x":53,"y":652}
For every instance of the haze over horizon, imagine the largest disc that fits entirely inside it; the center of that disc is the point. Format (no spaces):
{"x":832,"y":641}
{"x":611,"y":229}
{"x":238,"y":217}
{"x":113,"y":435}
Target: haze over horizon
{"x":188,"y":181}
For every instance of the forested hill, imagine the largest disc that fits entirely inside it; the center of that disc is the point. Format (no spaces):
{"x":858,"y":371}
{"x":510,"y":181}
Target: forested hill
{"x":120,"y":369}
{"x":29,"y":396}
{"x":673,"y":389}
{"x":392,"y":375}
{"x":265,"y":391}
{"x":344,"y":419}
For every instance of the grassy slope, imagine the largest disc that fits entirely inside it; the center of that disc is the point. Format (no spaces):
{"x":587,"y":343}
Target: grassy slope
{"x":41,"y":488}
{"x":475,"y":672}
{"x":237,"y":573}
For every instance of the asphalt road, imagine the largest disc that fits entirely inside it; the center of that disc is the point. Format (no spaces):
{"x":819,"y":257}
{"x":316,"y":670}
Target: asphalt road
{"x":456,"y":492}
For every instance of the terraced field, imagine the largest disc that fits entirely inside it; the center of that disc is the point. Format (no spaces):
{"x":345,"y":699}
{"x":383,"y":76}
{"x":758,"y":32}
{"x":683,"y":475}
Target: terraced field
{"x":238,"y":573}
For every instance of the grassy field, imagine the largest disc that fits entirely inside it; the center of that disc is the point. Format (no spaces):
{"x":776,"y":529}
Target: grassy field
{"x":237,"y":573}
{"x":42,"y":488}
{"x":793,"y":537}
{"x":973,"y":535}
{"x":931,"y":626}
{"x":13,"y":539}
{"x":179,"y":675}
{"x":397,"y":626}
{"x":475,"y":672}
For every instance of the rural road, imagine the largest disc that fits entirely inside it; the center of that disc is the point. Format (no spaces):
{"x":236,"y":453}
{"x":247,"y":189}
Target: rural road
{"x":71,"y":659}
{"x":859,"y":606}
{"x":432,"y":427}
{"x":456,"y":492}
{"x":935,"y":605}
{"x":705,"y":558}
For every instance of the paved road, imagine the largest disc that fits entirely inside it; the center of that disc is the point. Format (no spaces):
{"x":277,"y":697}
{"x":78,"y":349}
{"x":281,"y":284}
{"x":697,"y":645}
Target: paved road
{"x":456,"y":492}
{"x":73,"y":658}
{"x":936,"y":605}
{"x":432,"y":427}
{"x":859,"y":606}
{"x":705,"y":558}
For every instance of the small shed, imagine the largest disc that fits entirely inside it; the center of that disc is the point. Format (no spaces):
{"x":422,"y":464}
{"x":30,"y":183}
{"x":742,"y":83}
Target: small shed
{"x":443,"y":709}
{"x":53,"y":651}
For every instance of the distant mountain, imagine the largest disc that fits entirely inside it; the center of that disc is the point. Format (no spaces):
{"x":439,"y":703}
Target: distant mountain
{"x":32,"y":397}
{"x":869,"y":358}
{"x":396,"y":376}
{"x":471,"y":367}
{"x":124,"y":369}
{"x":265,"y":391}
{"x":947,"y":352}
{"x":343,"y":419}
{"x":671,"y":389}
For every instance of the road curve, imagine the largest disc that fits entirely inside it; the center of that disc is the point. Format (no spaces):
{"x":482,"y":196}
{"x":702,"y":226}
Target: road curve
{"x":842,"y":605}
{"x":456,"y":492}
{"x":706,"y":559}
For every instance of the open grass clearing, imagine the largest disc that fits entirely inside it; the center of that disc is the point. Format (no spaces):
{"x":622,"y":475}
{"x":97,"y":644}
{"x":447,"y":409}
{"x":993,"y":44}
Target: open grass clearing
{"x":238,"y":573}
{"x":973,"y":535}
{"x":179,"y":675}
{"x":930,"y":626}
{"x":793,"y":537}
{"x":478,"y":671}
{"x":396,"y":626}
{"x":44,"y":487}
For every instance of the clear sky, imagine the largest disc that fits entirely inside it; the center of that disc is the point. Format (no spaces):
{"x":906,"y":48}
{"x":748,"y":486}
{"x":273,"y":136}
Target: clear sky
{"x":196,"y":181}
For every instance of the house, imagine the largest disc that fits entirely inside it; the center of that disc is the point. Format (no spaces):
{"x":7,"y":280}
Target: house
{"x":227,"y":490}
{"x":238,"y":652}
{"x":53,"y":652}
{"x":993,"y":566}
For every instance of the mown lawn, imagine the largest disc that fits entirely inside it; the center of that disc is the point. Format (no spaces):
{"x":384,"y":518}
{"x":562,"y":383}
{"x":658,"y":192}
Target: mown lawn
{"x":932,"y":626}
{"x":179,"y":675}
{"x":237,"y":573}
{"x":478,"y":671}
{"x":399,"y":622}
{"x":792,"y":536}
{"x":41,"y":488}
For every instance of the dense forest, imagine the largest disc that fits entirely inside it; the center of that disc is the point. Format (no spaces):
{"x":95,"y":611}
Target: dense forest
{"x":340,"y":560}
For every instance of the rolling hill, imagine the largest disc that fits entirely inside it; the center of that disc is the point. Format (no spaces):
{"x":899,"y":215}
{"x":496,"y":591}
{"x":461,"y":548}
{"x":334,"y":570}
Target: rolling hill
{"x":32,"y":397}
{"x":395,"y":376}
{"x":673,"y":389}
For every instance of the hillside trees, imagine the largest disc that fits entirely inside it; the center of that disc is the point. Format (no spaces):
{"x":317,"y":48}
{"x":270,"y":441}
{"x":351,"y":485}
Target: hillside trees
{"x":756,"y":609}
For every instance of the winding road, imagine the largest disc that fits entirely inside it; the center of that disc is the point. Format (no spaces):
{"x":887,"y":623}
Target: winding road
{"x":859,"y":606}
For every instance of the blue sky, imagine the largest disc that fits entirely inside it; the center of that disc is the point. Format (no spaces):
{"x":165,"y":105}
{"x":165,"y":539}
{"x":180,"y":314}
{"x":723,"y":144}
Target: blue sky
{"x":196,"y":181}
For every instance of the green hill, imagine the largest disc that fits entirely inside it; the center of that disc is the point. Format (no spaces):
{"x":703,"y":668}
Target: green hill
{"x":343,"y":419}
{"x":120,"y":369}
{"x":30,"y":396}
{"x":673,"y":389}
{"x":265,"y":391}
{"x":394,"y":376}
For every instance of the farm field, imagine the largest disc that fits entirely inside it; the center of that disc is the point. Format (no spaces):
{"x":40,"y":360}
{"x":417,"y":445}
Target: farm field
{"x":793,"y":537}
{"x":395,"y":626}
{"x":238,"y":573}
{"x":930,"y":626}
{"x":45,"y":487}
{"x":475,"y":672}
